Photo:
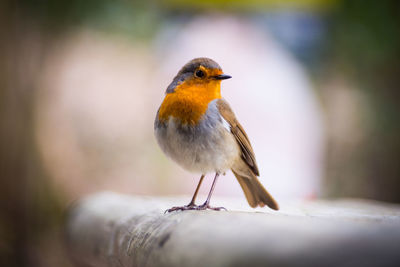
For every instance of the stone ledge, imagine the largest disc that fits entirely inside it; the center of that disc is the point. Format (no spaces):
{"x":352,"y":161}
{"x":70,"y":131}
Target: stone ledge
{"x":107,"y":229}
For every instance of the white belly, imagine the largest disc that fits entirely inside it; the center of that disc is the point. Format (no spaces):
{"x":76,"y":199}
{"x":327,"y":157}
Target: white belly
{"x":208,"y":147}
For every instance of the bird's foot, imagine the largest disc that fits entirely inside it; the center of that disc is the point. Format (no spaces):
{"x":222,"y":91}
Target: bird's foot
{"x":206,"y":206}
{"x":190,"y":206}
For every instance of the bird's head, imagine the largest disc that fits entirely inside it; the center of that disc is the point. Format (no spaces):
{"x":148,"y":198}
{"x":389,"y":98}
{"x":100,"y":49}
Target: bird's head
{"x":199,"y":73}
{"x":193,"y":88}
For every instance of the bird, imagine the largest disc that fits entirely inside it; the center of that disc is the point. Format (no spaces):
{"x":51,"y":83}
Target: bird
{"x":197,"y":129}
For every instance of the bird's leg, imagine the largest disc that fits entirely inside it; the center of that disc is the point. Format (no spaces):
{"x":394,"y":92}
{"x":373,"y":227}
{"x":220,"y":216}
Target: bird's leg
{"x":191,"y":205}
{"x":206,"y":205}
{"x":195,"y":192}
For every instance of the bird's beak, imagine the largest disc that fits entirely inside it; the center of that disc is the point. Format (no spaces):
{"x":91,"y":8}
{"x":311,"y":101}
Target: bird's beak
{"x":222,"y":77}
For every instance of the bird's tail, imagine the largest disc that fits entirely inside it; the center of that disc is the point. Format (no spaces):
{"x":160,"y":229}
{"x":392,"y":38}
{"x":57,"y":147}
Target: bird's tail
{"x":255,"y":192}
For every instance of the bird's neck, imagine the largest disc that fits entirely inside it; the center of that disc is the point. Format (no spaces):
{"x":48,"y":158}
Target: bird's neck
{"x":189,"y":102}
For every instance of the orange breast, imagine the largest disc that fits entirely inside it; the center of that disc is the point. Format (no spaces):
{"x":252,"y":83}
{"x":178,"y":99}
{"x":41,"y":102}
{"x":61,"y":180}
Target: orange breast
{"x":189,"y":102}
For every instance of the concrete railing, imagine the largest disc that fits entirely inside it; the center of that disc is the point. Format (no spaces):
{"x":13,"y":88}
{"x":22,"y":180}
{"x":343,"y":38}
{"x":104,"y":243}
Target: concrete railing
{"x":108,"y":229}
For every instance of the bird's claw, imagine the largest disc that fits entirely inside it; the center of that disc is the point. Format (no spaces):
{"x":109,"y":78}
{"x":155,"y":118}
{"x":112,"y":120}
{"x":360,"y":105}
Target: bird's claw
{"x":182,"y":208}
{"x":208,"y":207}
{"x":194,"y":207}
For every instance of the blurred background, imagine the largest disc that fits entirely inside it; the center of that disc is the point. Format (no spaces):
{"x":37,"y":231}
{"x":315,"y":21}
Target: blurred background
{"x":81,"y":81}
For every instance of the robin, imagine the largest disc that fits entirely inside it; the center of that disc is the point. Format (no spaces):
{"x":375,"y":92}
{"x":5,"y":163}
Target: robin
{"x":197,"y":128}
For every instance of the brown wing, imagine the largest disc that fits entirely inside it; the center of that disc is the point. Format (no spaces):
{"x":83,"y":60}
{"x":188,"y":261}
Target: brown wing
{"x":240,"y":135}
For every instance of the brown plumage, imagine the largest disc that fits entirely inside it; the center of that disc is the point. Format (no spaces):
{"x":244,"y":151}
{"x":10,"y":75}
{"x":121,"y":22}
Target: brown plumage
{"x":246,"y":173}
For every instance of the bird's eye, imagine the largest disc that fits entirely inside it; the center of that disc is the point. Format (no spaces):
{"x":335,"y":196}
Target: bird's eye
{"x":199,"y":73}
